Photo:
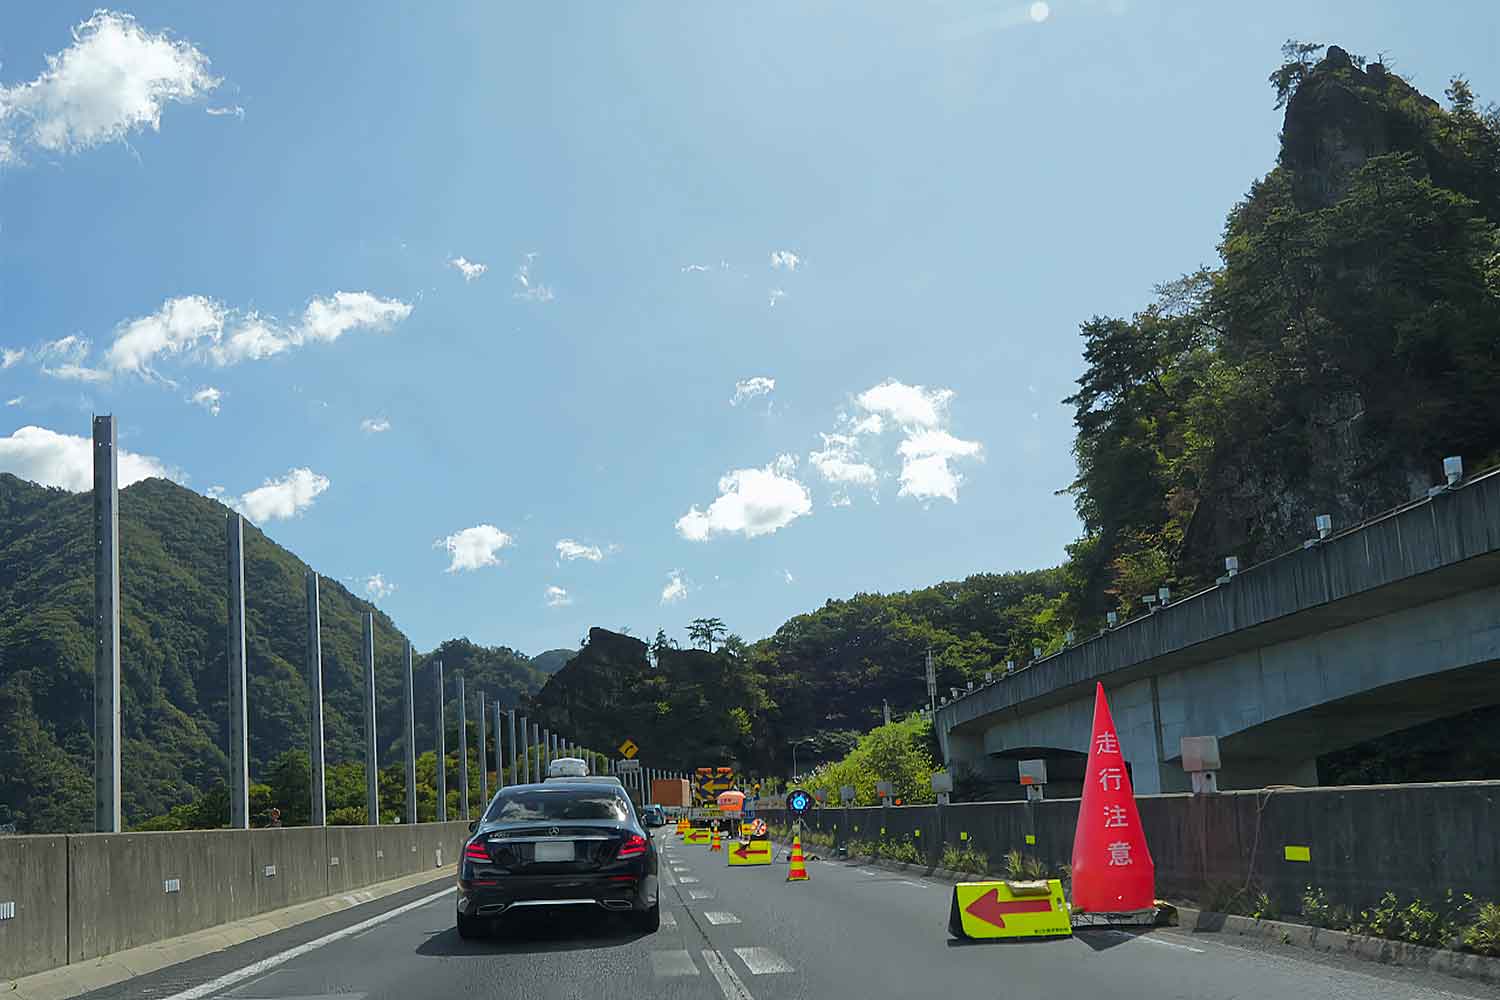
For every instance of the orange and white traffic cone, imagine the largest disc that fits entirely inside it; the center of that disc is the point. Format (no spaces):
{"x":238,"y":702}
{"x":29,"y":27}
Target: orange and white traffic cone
{"x":798,"y":871}
{"x":715,"y":845}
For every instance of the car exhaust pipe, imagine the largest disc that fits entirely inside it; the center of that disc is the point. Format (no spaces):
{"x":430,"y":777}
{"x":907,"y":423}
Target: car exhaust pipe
{"x":615,"y":904}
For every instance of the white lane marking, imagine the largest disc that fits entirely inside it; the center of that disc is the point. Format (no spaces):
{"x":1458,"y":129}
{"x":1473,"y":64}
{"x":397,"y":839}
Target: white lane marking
{"x":763,"y":961}
{"x":688,"y":880}
{"x":665,"y":875}
{"x":256,"y":968}
{"x":866,"y":871}
{"x":729,"y":980}
{"x":918,"y":885}
{"x":669,"y":920}
{"x":1165,"y":944}
{"x":700,"y":894}
{"x":717,"y":917}
{"x":672,"y":963}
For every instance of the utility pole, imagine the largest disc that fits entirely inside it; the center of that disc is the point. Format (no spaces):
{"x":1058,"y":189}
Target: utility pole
{"x":523,"y":762}
{"x":106,"y":628}
{"x":318,"y":815}
{"x":484,"y":755}
{"x":499,"y":747}
{"x":441,"y":740}
{"x":409,"y":719}
{"x":931,"y":685}
{"x":239,"y":768}
{"x":510,"y":725}
{"x":372,"y":761}
{"x":463,"y":751}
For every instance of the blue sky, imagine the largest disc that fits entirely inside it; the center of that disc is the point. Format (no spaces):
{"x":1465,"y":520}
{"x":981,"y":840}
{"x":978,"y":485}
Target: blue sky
{"x":259,"y":224}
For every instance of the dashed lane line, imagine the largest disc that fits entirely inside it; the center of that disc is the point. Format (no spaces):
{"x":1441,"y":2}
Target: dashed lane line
{"x":763,"y":961}
{"x":729,"y":981}
{"x":718,"y":917}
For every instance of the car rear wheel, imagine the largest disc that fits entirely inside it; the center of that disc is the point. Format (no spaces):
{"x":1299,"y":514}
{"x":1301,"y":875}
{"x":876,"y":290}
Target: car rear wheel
{"x":470,"y":927}
{"x":649,"y":921}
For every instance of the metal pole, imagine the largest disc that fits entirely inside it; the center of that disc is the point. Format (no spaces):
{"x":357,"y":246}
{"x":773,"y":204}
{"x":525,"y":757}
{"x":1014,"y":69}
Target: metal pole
{"x":484,"y":754}
{"x":546,"y":748}
{"x":441,"y":740}
{"x":500,"y":748}
{"x":372,"y":763}
{"x":510,"y":725}
{"x":318,"y":814}
{"x":106,"y":628}
{"x":463,"y":751}
{"x":410,"y":719}
{"x":239,"y":771}
{"x":523,"y":749}
{"x":536,"y":744}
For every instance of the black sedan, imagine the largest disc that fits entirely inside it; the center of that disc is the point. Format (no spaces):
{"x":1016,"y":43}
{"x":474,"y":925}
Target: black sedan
{"x":558,"y":845}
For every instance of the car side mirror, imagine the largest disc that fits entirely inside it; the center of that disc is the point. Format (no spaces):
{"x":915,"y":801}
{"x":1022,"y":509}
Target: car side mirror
{"x":473,"y":825}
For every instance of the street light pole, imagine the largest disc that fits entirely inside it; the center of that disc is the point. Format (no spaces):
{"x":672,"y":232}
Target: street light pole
{"x":795,"y":745}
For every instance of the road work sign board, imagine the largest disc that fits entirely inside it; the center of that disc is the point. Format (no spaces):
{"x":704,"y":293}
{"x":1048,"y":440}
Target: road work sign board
{"x":698,"y":835}
{"x":1009,"y":909}
{"x":628,"y":749}
{"x":752,"y":852}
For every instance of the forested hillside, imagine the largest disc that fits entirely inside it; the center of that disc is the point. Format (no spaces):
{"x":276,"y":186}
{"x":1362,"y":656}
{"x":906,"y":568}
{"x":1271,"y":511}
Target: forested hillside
{"x":172,"y":652}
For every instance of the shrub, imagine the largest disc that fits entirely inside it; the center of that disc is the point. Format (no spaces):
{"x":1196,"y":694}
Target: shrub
{"x":1417,"y":922}
{"x":1483,"y":935}
{"x":1020,"y":866}
{"x":965,"y":859}
{"x":1318,"y":912}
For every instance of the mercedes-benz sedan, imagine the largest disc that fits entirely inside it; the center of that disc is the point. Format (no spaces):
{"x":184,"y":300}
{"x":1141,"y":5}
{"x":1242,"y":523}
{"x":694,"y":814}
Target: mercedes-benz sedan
{"x":559,"y":845}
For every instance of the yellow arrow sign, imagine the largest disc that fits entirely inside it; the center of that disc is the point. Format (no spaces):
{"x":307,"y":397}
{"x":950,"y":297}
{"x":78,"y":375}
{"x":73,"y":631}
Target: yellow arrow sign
{"x":628,"y":749}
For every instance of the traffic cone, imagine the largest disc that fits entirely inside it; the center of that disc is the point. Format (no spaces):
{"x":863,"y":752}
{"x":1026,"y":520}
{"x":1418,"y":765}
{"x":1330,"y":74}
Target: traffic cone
{"x":715,"y":845}
{"x":798,"y":871}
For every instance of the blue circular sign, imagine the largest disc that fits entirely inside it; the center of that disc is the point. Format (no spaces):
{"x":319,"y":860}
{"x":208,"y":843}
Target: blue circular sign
{"x":799,"y":802}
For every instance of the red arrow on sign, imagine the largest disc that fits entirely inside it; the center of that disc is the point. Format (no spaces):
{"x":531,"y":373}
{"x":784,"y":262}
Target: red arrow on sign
{"x":743,"y":851}
{"x":991,"y":910}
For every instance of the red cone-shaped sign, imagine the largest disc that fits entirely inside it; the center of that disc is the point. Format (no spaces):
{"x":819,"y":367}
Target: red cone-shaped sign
{"x":1112,"y":867}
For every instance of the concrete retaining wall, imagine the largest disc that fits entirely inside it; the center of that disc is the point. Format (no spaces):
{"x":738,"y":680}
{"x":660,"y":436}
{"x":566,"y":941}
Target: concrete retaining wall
{"x":1413,"y":840}
{"x":34,"y":890}
{"x":81,"y":896}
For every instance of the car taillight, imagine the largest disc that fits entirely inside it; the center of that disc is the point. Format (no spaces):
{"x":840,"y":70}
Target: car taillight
{"x":634,"y":847}
{"x":475,"y":851}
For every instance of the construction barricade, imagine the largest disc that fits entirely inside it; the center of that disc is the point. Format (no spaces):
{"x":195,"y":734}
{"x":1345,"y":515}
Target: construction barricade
{"x":1009,"y":909}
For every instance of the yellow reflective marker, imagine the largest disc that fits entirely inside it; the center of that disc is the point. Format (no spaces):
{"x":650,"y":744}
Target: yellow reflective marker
{"x":1297,"y":853}
{"x":752,"y":852}
{"x":882,"y":831}
{"x":963,"y":835}
{"x":1009,"y":909}
{"x":1031,"y":838}
{"x":916,"y":833}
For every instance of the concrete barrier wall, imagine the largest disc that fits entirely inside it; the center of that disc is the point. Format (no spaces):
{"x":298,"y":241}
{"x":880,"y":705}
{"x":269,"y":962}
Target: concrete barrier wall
{"x":34,"y":892}
{"x":1413,"y":840}
{"x":77,"y":897}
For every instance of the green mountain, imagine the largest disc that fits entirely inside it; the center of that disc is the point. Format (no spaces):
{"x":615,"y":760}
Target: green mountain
{"x":173,"y":666}
{"x":553,"y":660}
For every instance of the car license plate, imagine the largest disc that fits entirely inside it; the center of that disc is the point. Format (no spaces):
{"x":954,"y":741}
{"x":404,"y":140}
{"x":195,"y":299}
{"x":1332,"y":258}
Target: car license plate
{"x":554,"y":850}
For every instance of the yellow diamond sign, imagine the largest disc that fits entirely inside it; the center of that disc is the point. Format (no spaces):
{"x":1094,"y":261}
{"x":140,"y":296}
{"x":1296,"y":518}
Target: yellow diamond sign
{"x":628,"y":749}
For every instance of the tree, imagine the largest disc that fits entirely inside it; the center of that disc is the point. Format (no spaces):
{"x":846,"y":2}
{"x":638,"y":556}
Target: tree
{"x":706,"y":632}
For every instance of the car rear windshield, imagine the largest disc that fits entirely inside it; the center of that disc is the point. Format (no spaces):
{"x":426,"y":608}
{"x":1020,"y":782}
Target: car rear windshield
{"x":548,"y":804}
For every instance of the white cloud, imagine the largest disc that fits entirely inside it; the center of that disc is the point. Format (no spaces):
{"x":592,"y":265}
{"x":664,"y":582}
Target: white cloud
{"x":788,"y":574}
{"x":924,"y":468}
{"x":77,"y":373}
{"x":557,"y":597}
{"x":752,"y":502}
{"x":776,"y":296}
{"x":749,"y":388}
{"x":688,"y":268}
{"x":530,"y":291}
{"x":9,"y":357}
{"x":784,"y":259}
{"x":113,"y":80}
{"x":870,"y":424}
{"x":675,"y":590}
{"x":278,"y":499}
{"x":468,"y":268}
{"x":67,"y":460}
{"x":200,"y":329}
{"x":474,"y":548}
{"x":910,"y":406}
{"x":570,"y":550}
{"x":841,"y":463}
{"x":231,"y":110}
{"x":15,"y":402}
{"x":378,"y":587}
{"x":374,"y":425}
{"x":208,"y":397}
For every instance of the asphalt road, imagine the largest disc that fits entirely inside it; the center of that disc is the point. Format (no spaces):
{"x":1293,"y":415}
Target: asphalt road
{"x":731,"y":934}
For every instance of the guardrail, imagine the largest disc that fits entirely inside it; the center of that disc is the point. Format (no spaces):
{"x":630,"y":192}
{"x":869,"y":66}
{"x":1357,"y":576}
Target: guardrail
{"x":68,"y":898}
